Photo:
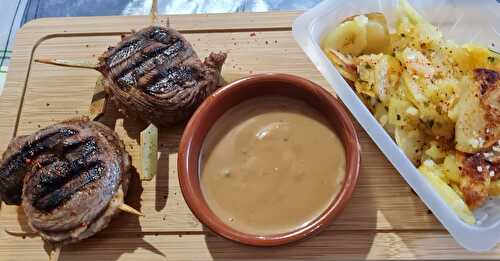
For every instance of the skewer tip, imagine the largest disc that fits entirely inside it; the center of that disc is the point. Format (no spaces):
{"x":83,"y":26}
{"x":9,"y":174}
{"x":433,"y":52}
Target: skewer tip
{"x":47,"y":61}
{"x":69,"y":63}
{"x":126,"y":208}
{"x":54,"y":254}
{"x":21,"y":233}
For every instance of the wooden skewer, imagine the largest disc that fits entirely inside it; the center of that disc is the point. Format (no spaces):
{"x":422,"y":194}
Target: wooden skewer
{"x":126,"y":208}
{"x":154,"y":12}
{"x":54,"y":254}
{"x":70,"y":63}
{"x":21,"y":233}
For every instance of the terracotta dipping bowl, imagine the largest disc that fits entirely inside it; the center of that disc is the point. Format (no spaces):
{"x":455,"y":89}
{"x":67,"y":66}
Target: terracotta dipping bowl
{"x":234,"y":93}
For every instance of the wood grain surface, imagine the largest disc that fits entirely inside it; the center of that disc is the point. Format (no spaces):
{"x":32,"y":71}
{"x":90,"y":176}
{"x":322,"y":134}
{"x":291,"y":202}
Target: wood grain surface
{"x":384,"y":219}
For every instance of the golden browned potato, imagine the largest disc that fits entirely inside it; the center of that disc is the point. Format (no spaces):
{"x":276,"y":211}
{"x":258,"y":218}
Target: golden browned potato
{"x":474,"y":179}
{"x":478,"y":112}
{"x":451,"y":167}
{"x":434,"y":175}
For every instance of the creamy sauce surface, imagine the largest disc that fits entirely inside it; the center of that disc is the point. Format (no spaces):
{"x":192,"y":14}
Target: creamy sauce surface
{"x":271,"y":165}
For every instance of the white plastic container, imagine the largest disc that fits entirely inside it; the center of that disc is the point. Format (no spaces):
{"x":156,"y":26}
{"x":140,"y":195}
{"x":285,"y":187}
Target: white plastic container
{"x":461,"y":21}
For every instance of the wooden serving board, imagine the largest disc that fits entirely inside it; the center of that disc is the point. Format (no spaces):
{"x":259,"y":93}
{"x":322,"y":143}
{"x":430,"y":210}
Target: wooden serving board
{"x":384,"y":219}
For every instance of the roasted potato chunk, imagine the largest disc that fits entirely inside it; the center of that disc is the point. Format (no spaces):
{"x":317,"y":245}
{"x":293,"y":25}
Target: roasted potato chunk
{"x":474,"y":179}
{"x":478,"y":121}
{"x":435,"y":176}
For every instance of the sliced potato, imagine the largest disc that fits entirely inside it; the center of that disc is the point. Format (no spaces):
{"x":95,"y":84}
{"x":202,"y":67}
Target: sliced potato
{"x":402,"y":112}
{"x":349,"y":37}
{"x":360,"y":34}
{"x":442,"y":127}
{"x":378,"y":75}
{"x":472,"y":56}
{"x":442,"y":93}
{"x":450,"y":197}
{"x":457,"y":190}
{"x":435,"y":121}
{"x":436,"y":151}
{"x":416,"y":63}
{"x":380,"y":113}
{"x":451,"y":168}
{"x":413,"y":90}
{"x":470,"y":125}
{"x":409,"y":21}
{"x":478,"y":112}
{"x":488,"y":83}
{"x":377,"y":34}
{"x":344,"y":64}
{"x":405,"y":10}
{"x":474,"y":178}
{"x":412,"y":142}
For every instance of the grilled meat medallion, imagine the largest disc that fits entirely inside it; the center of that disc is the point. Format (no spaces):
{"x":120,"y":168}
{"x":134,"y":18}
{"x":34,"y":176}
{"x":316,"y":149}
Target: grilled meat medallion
{"x":155,"y":74}
{"x":70,"y":178}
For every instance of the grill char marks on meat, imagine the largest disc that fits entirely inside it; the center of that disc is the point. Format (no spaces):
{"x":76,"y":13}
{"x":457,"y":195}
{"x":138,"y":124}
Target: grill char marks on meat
{"x":155,"y":74}
{"x":70,"y":178}
{"x":18,"y":157}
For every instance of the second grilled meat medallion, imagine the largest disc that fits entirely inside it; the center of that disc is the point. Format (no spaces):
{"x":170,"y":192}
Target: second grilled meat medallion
{"x":155,"y":74}
{"x":71,"y":178}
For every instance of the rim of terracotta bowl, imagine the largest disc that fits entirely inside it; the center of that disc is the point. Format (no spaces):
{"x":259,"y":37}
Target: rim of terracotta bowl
{"x":234,"y":93}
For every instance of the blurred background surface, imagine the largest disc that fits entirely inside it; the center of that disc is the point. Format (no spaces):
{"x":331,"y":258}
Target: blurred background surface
{"x":15,"y":13}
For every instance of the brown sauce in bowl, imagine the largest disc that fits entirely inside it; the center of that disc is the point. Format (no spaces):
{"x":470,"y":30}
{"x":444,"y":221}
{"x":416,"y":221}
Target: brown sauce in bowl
{"x":271,"y":165}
